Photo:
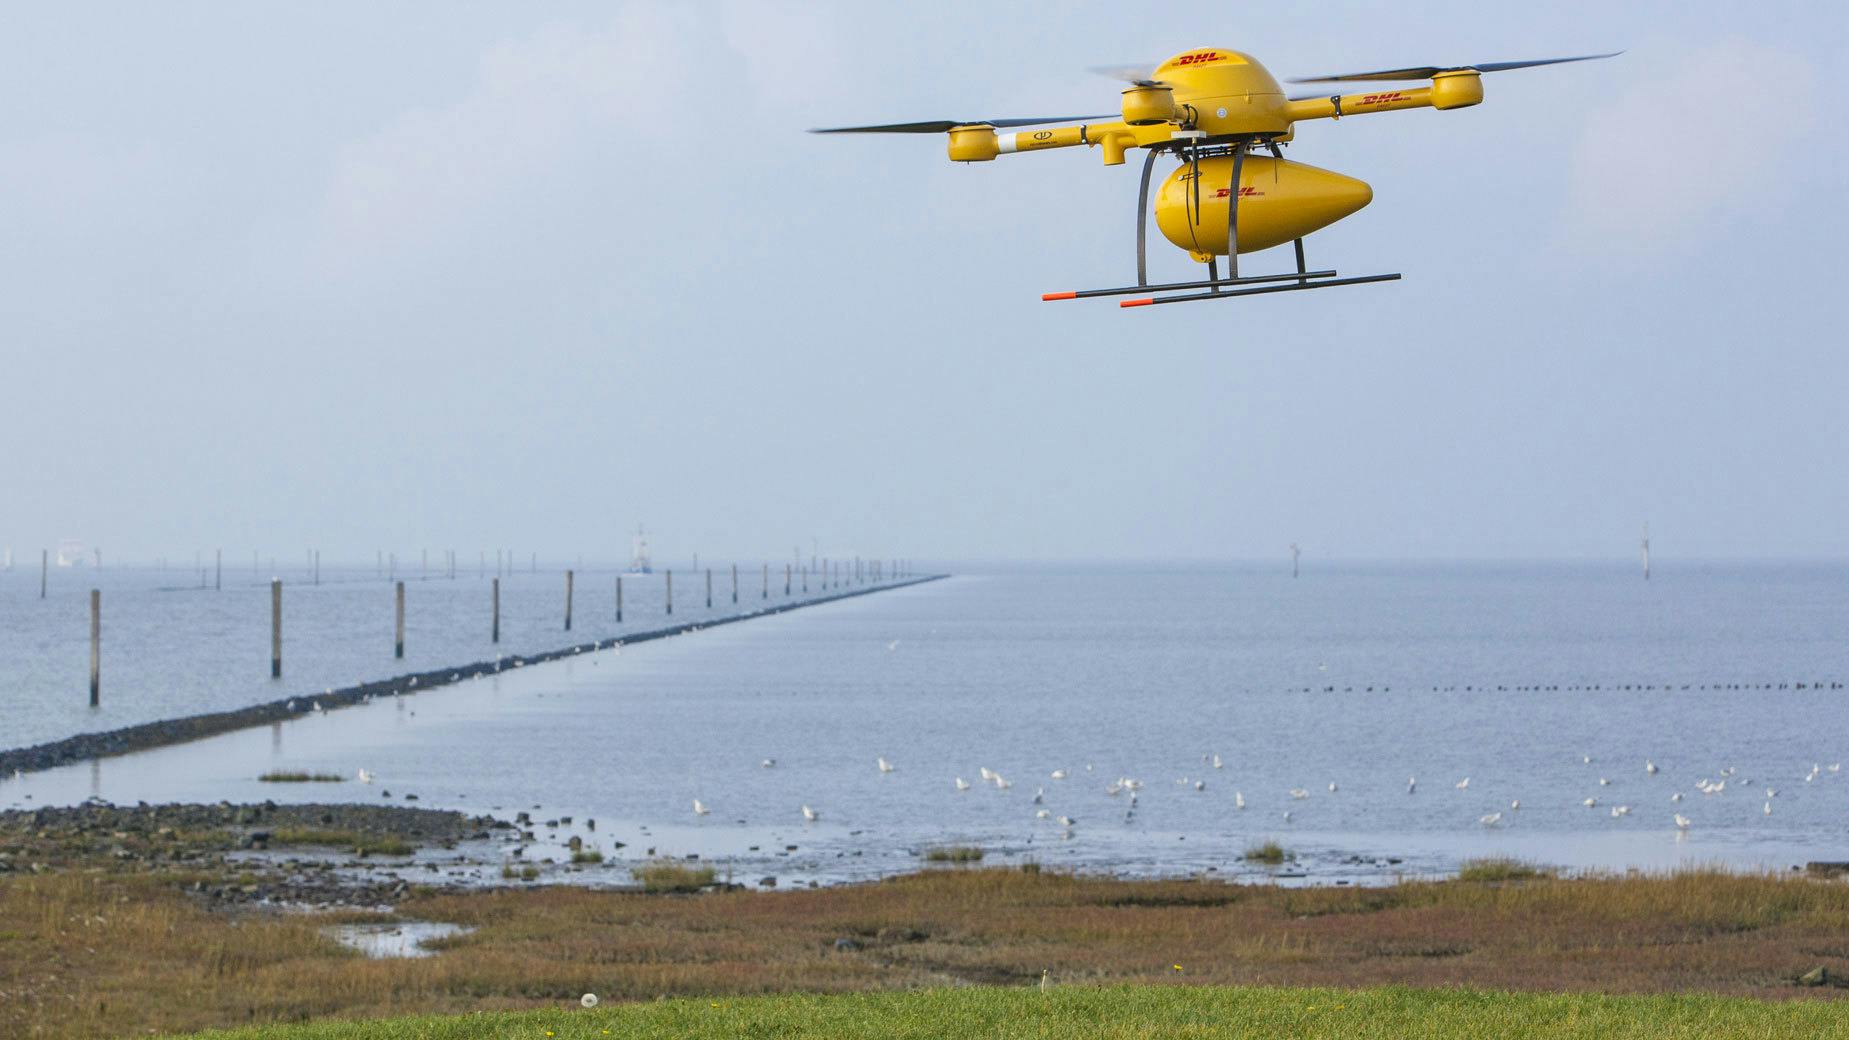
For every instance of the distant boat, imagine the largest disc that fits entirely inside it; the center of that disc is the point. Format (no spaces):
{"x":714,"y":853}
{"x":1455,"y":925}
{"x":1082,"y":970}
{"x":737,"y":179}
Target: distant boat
{"x":70,"y":553}
{"x":638,"y":559}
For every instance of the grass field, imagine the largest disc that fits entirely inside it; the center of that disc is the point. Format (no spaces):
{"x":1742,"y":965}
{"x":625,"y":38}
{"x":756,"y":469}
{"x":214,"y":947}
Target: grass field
{"x":1129,"y":1012}
{"x":94,"y":954}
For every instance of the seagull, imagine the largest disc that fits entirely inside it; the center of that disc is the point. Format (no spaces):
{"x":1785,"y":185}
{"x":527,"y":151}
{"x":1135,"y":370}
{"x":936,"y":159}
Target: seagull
{"x":699,"y":808}
{"x":1200,"y":785}
{"x":1065,"y":821}
{"x":1059,"y":774}
{"x":1771,"y":792}
{"x":1298,"y":792}
{"x":1114,"y":789}
{"x":1216,"y":762}
{"x":1649,"y":767}
{"x":894,"y":645}
{"x":1001,"y":784}
{"x":1332,"y":787}
{"x":1836,"y":767}
{"x":1287,"y":816}
{"x":1516,"y":804}
{"x":1768,"y":809}
{"x":985,"y":772}
{"x":1412,"y":784}
{"x":1491,"y":820}
{"x":1682,"y":822}
{"x":1620,"y":810}
{"x":1039,"y":796}
{"x":1590,"y":802}
{"x":365,"y":777}
{"x":317,"y":705}
{"x":885,"y":766}
{"x":1239,"y":800}
{"x":962,"y":784}
{"x":1586,"y":759}
{"x":810,"y":814}
{"x":769,"y":763}
{"x":1676,"y":797}
{"x":1604,"y":782}
{"x":1042,"y":814}
{"x":1464,"y":784}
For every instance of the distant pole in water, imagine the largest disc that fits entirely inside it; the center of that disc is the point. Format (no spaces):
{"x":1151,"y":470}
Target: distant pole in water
{"x":483,"y":572}
{"x":398,"y":628}
{"x":805,"y":576}
{"x":1646,"y":550}
{"x":44,"y":570}
{"x":218,"y":569}
{"x":619,"y":599}
{"x":568,"y":577}
{"x":709,"y":588}
{"x":378,"y":566}
{"x":786,"y":579}
{"x":670,"y":594}
{"x":735,"y":583}
{"x":96,"y":647}
{"x":767,"y":581}
{"x":1294,"y":553}
{"x":317,"y":566}
{"x":275,"y":628}
{"x":495,"y":633}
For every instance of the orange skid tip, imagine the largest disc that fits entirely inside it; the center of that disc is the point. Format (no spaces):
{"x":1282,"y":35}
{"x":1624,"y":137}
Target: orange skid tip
{"x":1144,"y":302}
{"x":1044,"y":297}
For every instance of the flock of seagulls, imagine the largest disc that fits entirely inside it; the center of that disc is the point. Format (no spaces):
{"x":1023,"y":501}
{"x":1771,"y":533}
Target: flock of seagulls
{"x":1125,"y":785}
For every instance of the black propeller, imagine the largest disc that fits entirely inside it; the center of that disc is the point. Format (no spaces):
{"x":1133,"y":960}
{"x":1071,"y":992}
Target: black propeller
{"x":938,"y":126}
{"x":1428,"y":71}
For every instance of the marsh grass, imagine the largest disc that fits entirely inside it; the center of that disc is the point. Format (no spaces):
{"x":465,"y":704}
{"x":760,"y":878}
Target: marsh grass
{"x":1270,"y":853}
{"x":1503,"y":869}
{"x":587,"y":856}
{"x":361,"y":843}
{"x":662,"y":875}
{"x":106,"y":955}
{"x":953,"y":854}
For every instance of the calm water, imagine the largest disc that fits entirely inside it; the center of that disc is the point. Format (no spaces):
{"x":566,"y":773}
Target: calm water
{"x":1358,"y":677}
{"x":173,"y":648}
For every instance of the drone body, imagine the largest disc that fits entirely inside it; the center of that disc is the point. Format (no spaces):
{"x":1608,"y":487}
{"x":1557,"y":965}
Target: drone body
{"x":1214,"y":109}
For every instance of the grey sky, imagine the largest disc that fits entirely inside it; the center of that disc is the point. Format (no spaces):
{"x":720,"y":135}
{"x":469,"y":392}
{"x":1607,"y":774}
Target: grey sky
{"x":444,"y":275}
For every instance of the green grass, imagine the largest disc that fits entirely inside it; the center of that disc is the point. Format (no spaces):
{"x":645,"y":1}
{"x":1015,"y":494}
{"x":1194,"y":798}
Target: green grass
{"x":1140,"y":1012}
{"x":1502,"y":869}
{"x":363,"y":844}
{"x":668,"y":876}
{"x":1269,"y":853}
{"x":301,"y":778}
{"x":953,"y":854}
{"x":587,"y":856}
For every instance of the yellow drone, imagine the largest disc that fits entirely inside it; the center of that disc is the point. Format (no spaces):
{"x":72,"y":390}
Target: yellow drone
{"x":1213,"y":108}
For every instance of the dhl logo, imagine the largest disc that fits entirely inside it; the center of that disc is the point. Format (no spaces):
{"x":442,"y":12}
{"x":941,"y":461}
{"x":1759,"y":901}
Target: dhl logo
{"x":1382,"y":99}
{"x":1245,"y":192}
{"x":1199,"y":58}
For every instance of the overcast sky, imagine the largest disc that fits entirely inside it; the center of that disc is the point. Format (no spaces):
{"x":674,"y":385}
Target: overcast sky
{"x":423,"y":275}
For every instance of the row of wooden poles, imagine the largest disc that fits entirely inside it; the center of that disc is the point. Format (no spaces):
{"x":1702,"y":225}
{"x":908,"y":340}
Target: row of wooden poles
{"x":834,"y":574}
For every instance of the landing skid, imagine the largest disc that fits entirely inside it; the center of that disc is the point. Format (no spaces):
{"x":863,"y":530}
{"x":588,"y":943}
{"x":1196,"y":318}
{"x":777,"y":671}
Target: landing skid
{"x":1217,"y":288}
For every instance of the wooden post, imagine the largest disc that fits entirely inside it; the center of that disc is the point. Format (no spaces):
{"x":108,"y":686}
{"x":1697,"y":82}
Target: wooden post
{"x":766,"y":581}
{"x":218,"y":569}
{"x":275,"y":628}
{"x":709,"y":588}
{"x":568,"y":577}
{"x":398,"y":628}
{"x":805,"y":576}
{"x":317,"y":566}
{"x":619,"y":599}
{"x":786,"y":579}
{"x":670,"y":592}
{"x":495,"y":637}
{"x":96,"y":647}
{"x":735,"y":583}
{"x":44,"y":570}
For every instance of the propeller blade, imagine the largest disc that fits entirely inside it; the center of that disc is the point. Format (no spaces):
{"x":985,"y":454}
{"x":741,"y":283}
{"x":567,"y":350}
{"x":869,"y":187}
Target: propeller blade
{"x":1428,"y":71}
{"x":938,"y":126}
{"x":1135,"y":75}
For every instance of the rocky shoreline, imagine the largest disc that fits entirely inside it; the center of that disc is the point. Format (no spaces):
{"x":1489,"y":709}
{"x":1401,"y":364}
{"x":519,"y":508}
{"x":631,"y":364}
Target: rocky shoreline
{"x":317,"y":855}
{"x":86,"y":746}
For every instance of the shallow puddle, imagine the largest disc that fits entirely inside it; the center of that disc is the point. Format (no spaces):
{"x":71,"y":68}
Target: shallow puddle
{"x":405,"y":939}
